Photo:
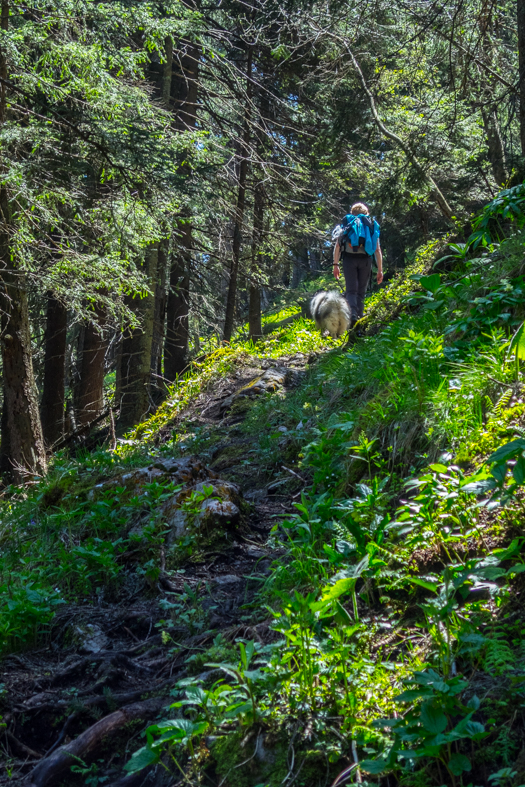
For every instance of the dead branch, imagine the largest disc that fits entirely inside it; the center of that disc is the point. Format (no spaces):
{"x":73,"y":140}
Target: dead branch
{"x":84,"y":431}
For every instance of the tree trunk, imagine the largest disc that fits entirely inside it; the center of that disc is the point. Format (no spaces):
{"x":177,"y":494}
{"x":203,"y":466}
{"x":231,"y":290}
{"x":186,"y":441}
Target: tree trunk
{"x":22,"y":445}
{"x":52,"y":404}
{"x":254,"y":309}
{"x":168,"y":71}
{"x":488,"y":105}
{"x":239,"y":209}
{"x":184,"y":89}
{"x":90,"y":388}
{"x":254,"y":312}
{"x":521,"y":53}
{"x":494,"y":144}
{"x":314,"y":257}
{"x":135,"y":359}
{"x":159,"y":320}
{"x":300,"y":266}
{"x":178,"y":307}
{"x":56,"y":767}
{"x":259,"y":200}
{"x":236,"y":252}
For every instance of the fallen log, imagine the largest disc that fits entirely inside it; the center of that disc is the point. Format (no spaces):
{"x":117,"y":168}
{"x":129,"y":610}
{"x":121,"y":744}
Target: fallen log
{"x":51,"y":768}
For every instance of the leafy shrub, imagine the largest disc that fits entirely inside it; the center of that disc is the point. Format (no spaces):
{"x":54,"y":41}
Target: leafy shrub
{"x":428,"y":730}
{"x":26,"y":610}
{"x":491,"y":225}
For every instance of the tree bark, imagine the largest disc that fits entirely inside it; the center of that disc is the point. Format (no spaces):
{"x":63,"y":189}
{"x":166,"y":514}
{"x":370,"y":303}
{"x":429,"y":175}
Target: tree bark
{"x":178,"y":306}
{"x":494,"y":144}
{"x":90,"y":387}
{"x":135,"y":359}
{"x":159,"y":320}
{"x":168,"y":70}
{"x":300,"y":266}
{"x":254,"y":309}
{"x":161,"y":76}
{"x":488,"y":104}
{"x":260,"y":199}
{"x":239,"y":208}
{"x":184,"y":90}
{"x":521,"y":61}
{"x":22,"y":445}
{"x":52,"y":404}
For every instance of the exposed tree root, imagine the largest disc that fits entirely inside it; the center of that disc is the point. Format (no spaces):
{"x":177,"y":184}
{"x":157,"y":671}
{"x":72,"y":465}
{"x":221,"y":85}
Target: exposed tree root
{"x":21,"y":748}
{"x":140,"y":779}
{"x":51,"y":768}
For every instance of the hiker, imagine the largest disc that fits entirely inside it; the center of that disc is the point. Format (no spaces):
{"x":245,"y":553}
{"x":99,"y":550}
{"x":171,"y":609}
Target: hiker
{"x":358,"y":238}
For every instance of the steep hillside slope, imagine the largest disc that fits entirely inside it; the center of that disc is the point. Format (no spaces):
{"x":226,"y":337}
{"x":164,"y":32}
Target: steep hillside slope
{"x":305,"y":568}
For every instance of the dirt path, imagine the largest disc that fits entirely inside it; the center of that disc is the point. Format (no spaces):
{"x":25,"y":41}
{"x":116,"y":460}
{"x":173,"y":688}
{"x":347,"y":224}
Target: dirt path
{"x":107,"y":669}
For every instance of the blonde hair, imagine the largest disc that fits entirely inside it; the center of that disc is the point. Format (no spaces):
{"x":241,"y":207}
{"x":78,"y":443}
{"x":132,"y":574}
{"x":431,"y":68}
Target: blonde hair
{"x":359,"y":207}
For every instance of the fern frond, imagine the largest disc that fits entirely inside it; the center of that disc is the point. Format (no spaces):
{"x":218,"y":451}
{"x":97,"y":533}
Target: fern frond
{"x":520,"y":655}
{"x":502,"y":402}
{"x":499,"y":656}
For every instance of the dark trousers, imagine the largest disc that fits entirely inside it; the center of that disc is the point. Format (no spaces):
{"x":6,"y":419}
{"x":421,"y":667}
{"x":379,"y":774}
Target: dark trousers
{"x":356,"y":269}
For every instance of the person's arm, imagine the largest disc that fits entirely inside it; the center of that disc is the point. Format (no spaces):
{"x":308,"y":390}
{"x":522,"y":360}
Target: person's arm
{"x":379,"y":260}
{"x":337,"y":255}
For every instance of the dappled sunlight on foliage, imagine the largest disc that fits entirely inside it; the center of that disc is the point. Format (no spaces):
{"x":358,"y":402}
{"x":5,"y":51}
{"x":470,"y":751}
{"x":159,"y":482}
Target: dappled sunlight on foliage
{"x":400,"y":454}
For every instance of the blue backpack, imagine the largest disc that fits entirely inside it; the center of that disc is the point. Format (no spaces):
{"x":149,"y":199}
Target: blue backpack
{"x":359,"y":231}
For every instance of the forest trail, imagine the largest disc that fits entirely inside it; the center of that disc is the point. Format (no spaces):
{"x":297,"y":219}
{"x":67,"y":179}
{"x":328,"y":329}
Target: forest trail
{"x":283,"y":562}
{"x":111,"y":655}
{"x":306,"y":543}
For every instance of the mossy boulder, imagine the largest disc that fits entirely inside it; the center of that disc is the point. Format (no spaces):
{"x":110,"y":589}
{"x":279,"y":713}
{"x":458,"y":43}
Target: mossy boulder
{"x":202,"y":510}
{"x":273,"y":379}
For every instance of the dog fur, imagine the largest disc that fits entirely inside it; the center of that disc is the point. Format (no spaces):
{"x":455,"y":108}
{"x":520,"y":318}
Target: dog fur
{"x":331,"y":313}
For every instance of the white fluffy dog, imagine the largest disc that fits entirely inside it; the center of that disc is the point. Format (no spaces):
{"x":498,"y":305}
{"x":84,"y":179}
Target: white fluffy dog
{"x":331,"y":313}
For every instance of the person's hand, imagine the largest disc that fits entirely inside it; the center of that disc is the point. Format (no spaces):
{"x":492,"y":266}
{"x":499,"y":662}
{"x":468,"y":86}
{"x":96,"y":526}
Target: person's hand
{"x":379,"y":277}
{"x":337,"y":272}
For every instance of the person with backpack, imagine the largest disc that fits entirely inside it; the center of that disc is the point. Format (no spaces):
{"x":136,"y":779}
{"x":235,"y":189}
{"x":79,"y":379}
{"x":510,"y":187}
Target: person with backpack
{"x":357,"y":240}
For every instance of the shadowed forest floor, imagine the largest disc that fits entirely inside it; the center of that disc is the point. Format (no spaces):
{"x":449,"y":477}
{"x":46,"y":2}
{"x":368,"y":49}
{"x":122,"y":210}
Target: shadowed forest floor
{"x":110,"y":654}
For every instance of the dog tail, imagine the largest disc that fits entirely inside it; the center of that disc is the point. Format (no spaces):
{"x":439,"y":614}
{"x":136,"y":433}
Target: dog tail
{"x":316,"y":306}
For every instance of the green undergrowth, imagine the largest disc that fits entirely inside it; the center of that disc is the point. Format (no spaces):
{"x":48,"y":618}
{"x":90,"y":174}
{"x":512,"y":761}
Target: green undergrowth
{"x":61,"y":541}
{"x":395,"y":606}
{"x":395,"y":627}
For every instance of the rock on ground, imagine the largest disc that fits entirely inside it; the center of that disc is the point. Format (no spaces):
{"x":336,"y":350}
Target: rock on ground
{"x":271,"y":380}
